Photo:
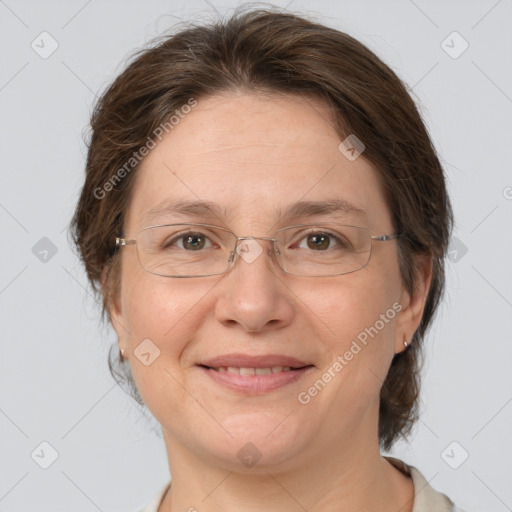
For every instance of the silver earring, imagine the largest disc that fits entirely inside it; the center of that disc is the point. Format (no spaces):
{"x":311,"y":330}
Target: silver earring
{"x":406,"y":344}
{"x":122,"y":353}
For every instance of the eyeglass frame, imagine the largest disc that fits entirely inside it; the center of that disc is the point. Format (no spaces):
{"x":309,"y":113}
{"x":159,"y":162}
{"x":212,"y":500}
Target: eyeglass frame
{"x":122,"y":242}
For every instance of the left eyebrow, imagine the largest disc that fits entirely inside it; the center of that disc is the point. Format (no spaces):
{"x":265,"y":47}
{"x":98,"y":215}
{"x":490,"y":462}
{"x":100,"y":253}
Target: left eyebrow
{"x":315,"y":208}
{"x":185,"y":208}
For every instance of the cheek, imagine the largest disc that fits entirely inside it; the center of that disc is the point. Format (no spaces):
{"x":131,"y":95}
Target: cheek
{"x":154,"y":314}
{"x":357,"y":317}
{"x":162,"y":312}
{"x":153,"y":306}
{"x":159,"y":331}
{"x":354,"y":303}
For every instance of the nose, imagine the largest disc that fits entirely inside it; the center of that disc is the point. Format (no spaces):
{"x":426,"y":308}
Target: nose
{"x":253,"y":294}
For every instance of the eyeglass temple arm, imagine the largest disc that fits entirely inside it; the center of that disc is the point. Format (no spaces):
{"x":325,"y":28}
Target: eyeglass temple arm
{"x":384,"y":238}
{"x":124,"y":241}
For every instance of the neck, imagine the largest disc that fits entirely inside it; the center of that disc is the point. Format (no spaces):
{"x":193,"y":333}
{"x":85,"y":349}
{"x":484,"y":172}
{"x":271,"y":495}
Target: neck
{"x":355,"y":477}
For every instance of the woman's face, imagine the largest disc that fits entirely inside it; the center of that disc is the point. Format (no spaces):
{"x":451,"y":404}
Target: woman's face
{"x":254,"y":157}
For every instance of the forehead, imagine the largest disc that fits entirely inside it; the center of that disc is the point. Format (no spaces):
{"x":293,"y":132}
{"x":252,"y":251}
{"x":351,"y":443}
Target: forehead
{"x":252,"y":159}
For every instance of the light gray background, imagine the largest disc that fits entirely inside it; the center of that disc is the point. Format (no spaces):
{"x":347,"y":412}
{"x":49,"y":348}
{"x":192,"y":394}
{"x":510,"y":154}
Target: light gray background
{"x":54,"y":382}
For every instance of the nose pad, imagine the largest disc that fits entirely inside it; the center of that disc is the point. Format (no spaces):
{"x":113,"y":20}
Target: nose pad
{"x":249,"y":250}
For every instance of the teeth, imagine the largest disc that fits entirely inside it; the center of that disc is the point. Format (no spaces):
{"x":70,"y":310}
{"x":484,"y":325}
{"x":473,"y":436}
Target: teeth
{"x":253,"y":371}
{"x":263,"y":371}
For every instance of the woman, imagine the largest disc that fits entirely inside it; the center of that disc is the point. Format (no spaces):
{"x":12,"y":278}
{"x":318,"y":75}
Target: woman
{"x":266,"y":219}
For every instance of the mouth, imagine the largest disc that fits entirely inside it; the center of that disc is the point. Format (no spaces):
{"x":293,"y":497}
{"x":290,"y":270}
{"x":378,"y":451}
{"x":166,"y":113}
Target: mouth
{"x":255,"y":375}
{"x":269,"y":370}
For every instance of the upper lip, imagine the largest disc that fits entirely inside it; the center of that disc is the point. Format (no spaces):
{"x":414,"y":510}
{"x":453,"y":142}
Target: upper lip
{"x":246,"y":361}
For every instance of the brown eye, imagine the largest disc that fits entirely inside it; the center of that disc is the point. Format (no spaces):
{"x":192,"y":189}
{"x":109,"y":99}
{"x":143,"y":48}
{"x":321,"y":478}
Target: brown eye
{"x":318,"y":241}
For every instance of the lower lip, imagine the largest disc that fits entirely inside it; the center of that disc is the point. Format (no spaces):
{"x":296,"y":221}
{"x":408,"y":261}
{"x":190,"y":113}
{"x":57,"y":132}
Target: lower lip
{"x":256,"y":384}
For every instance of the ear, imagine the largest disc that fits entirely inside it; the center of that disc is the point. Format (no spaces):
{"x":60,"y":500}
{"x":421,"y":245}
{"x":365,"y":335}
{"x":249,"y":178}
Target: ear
{"x":114,"y":308}
{"x":413,"y":304}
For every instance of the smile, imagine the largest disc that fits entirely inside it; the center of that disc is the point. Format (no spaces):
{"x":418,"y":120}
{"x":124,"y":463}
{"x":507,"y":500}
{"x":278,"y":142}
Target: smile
{"x":253,"y":371}
{"x":255,"y":381}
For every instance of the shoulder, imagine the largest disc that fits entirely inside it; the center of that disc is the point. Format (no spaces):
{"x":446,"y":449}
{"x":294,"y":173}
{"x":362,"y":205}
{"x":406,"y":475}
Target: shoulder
{"x":426,"y":498}
{"x":153,"y":505}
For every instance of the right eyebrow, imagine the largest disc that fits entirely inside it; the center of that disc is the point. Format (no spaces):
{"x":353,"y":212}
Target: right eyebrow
{"x":185,"y":208}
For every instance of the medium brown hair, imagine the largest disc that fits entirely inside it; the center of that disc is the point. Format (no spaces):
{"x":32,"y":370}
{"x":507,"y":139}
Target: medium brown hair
{"x":270,"y":50}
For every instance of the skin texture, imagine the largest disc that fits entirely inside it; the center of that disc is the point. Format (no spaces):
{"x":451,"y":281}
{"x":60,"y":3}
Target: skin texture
{"x":252,"y":154}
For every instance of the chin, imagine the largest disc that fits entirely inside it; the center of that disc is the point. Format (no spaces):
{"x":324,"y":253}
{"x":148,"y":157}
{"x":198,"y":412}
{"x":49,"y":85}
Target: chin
{"x":260,"y":442}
